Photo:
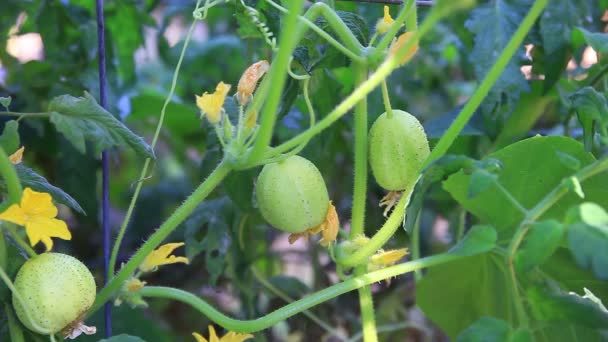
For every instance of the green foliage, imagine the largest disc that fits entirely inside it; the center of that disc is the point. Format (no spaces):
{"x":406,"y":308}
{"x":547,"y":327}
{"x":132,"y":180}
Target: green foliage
{"x":526,"y":232}
{"x":588,"y":237}
{"x":82,"y":119}
{"x":467,"y":299}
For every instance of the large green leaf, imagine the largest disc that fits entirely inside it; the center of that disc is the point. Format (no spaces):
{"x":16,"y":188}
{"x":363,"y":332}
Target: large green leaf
{"x":489,"y":329}
{"x":81,"y":120}
{"x":531,"y":169}
{"x":567,"y":308}
{"x":458,"y":293}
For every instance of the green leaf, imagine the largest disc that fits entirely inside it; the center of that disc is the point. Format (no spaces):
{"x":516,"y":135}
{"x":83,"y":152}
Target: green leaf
{"x":9,"y":140}
{"x":207,"y":230}
{"x":493,"y":25}
{"x":588,"y":238}
{"x":81,"y":119}
{"x":569,"y":308}
{"x":562,"y":268}
{"x":481,"y":180}
{"x":591,"y":109}
{"x":474,"y":283}
{"x":5,"y":101}
{"x":479,"y":239}
{"x":123,"y":338}
{"x":540,"y":243}
{"x":597,"y":40}
{"x":486,"y":329}
{"x":530,"y":171}
{"x":29,"y":178}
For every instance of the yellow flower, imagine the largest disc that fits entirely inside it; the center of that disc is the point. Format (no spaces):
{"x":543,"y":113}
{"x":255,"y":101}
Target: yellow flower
{"x":212,"y":105}
{"x":37,"y":214}
{"x":16,"y":157}
{"x":161,"y":256}
{"x":229,"y":337}
{"x":385,"y":23}
{"x":249,"y":80}
{"x":397,"y":44}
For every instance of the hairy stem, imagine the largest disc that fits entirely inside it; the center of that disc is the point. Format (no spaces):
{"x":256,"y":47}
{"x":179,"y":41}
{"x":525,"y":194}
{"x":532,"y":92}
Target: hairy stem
{"x":261,"y":323}
{"x":178,"y":216}
{"x":357,"y":226}
{"x":277,"y":76}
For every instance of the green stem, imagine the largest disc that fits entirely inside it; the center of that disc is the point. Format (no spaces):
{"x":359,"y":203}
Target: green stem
{"x":357,"y":226}
{"x":32,"y":115}
{"x":7,"y":281}
{"x":277,"y":292}
{"x":352,"y":49}
{"x":14,"y":329}
{"x":250,"y":326}
{"x":366,"y":302}
{"x":382,"y":236}
{"x":13,"y":184}
{"x":360,"y":92}
{"x":411,"y":21}
{"x":467,"y":111}
{"x":178,"y":216}
{"x":395,"y":327}
{"x":277,"y":76}
{"x":144,"y":170}
{"x":387,"y":100}
{"x":416,"y":245}
{"x":24,"y":245}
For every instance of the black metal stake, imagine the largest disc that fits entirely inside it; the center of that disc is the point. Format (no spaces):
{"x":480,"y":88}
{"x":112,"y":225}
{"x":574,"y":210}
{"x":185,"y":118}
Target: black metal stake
{"x":105,"y":198}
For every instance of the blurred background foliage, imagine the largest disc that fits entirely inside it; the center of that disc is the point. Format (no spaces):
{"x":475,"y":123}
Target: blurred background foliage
{"x":51,"y":49}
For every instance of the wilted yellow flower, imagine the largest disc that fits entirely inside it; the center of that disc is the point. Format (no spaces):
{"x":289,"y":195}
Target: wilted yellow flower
{"x":249,"y":80}
{"x":16,"y":157}
{"x":212,"y":105}
{"x":385,"y":23}
{"x":251,"y":119}
{"x":389,"y":257}
{"x":229,"y":337}
{"x":328,"y":228}
{"x":134,"y":285}
{"x":404,"y":38}
{"x":161,"y":256}
{"x":37,"y":213}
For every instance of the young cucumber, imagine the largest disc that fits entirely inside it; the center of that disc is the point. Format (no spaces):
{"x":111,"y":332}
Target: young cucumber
{"x":397,"y":149}
{"x":292,"y":195}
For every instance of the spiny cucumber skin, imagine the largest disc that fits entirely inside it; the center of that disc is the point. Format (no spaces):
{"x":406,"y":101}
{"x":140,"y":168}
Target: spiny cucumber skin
{"x":292,"y":195}
{"x":397,"y":148}
{"x":57,"y":288}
